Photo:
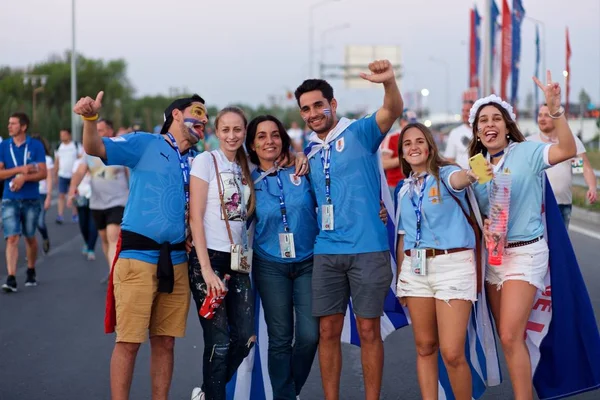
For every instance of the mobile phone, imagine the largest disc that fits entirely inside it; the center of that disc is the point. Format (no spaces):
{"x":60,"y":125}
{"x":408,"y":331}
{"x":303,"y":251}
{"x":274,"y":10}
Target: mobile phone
{"x":479,"y":167}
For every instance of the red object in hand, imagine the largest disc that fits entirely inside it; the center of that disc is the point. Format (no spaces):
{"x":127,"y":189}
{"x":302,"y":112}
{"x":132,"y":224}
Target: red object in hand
{"x":211,"y":303}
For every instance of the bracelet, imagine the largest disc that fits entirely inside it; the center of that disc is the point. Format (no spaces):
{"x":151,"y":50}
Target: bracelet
{"x":559,"y":113}
{"x":92,"y":118}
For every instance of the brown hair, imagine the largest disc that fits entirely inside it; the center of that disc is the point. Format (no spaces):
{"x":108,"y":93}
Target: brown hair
{"x":240,"y":155}
{"x":513,"y":130}
{"x":434,"y":160}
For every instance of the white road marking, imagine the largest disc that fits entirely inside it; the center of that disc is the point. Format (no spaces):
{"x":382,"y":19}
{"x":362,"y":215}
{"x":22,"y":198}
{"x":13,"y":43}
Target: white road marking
{"x":583,"y":231}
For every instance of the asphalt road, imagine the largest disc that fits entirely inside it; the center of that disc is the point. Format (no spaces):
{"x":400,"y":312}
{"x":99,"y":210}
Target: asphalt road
{"x":52,"y":344}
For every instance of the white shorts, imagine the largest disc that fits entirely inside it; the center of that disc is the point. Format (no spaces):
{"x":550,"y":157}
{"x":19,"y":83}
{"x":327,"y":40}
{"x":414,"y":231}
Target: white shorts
{"x":449,"y":277}
{"x":527,"y":263}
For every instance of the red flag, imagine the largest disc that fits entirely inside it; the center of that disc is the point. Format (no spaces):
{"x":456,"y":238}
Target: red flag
{"x":506,"y":48}
{"x":473,"y":79}
{"x":568,"y":77}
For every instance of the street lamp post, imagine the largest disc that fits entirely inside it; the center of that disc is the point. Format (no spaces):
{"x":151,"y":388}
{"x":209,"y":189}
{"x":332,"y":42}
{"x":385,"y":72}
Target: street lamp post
{"x":323,"y":35}
{"x":311,"y":33}
{"x":447,"y":68}
{"x":34,"y":80}
{"x":74,"y":119}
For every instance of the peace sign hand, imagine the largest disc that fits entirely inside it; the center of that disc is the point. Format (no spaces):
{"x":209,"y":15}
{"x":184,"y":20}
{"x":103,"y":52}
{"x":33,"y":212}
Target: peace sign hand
{"x":381,"y":72}
{"x":551,"y":91}
{"x":89,"y":107}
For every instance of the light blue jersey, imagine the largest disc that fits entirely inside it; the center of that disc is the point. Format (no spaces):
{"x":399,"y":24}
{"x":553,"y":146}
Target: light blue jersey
{"x":526,"y":161}
{"x":443,"y":225}
{"x":355,"y":191}
{"x":156,"y":204}
{"x":300,"y":211}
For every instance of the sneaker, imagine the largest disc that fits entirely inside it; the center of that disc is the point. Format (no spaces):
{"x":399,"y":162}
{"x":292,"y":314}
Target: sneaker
{"x":30,"y":281}
{"x":11,"y":284}
{"x":91,"y":256}
{"x":75,"y":218}
{"x":46,"y":246}
{"x":84,"y":250}
{"x":197,"y":394}
{"x":59,"y":220}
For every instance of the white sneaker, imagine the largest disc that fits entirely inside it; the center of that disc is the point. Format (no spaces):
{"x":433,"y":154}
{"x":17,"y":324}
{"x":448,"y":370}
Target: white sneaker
{"x":197,"y":394}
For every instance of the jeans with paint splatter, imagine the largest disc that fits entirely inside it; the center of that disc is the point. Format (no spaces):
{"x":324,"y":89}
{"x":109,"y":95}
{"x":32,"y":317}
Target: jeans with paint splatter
{"x":229,"y":335}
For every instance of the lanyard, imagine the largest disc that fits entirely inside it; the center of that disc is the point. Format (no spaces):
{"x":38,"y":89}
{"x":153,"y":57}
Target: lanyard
{"x":12,"y":154}
{"x":282,"y":207}
{"x":418,"y":210}
{"x":326,"y":161}
{"x":185,"y":170}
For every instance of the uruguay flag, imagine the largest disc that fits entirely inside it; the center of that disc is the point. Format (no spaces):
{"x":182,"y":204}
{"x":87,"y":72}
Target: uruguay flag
{"x":562,"y":334}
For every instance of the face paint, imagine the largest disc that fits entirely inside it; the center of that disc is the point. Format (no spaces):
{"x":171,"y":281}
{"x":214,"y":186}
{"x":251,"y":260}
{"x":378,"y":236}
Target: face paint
{"x":198,"y":112}
{"x":327,"y":112}
{"x":191,"y":124}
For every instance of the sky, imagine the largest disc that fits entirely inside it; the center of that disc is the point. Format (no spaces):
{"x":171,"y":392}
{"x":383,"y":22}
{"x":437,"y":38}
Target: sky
{"x":236,"y":51}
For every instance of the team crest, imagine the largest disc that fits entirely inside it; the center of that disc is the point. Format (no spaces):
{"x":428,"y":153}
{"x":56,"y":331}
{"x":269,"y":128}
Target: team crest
{"x":295,"y":179}
{"x":434,"y":195}
{"x":339,"y":145}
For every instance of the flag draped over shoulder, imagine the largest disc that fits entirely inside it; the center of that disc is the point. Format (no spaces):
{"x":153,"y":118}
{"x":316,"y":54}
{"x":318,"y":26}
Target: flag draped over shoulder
{"x":562,"y":334}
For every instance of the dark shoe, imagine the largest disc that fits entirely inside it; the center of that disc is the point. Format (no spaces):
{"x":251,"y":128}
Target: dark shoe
{"x":46,"y":246}
{"x":30,"y":281}
{"x":11,"y":284}
{"x":59,"y":220}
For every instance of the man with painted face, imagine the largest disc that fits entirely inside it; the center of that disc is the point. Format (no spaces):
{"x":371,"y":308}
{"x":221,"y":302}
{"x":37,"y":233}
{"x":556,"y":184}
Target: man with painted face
{"x":148,"y":290}
{"x":352,"y":254}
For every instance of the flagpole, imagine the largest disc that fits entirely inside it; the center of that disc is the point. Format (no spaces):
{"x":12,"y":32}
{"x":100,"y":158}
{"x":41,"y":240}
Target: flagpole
{"x":486,"y":51}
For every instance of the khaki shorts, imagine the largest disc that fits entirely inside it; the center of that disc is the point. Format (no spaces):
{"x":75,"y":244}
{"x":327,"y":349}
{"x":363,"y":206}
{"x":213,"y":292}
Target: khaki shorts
{"x":141,"y":308}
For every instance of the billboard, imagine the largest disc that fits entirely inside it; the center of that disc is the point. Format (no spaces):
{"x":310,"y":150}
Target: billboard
{"x":357,"y":59}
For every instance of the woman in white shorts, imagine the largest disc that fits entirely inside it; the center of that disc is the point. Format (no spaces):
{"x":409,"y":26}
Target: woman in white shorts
{"x":437,"y":277}
{"x":511,"y":287}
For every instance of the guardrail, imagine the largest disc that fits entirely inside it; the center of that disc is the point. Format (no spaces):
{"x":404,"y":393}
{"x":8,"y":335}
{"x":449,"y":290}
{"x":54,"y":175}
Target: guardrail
{"x":578,"y":179}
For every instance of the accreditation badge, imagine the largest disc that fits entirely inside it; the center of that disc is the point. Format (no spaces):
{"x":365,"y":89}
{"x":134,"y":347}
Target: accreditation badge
{"x":327,"y":217}
{"x":418,"y":261}
{"x":577,"y":165}
{"x":286,"y":245}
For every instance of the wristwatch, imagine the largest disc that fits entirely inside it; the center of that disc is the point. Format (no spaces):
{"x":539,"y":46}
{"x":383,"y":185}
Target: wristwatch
{"x":559,"y":113}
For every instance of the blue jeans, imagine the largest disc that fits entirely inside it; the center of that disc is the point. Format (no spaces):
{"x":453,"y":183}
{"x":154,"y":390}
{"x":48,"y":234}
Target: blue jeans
{"x":229,"y":335}
{"x":285,"y":289}
{"x":20,"y":217}
{"x":42,"y":218}
{"x":565,"y":210}
{"x":87,"y":227}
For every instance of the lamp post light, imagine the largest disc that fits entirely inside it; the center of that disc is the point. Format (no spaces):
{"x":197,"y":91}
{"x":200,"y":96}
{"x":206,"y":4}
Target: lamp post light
{"x":311,"y":33}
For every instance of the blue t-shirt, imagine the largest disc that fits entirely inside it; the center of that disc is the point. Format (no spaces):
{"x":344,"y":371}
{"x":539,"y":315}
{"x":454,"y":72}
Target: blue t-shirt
{"x":443,"y":225}
{"x":36,"y":154}
{"x":156,"y":204}
{"x":355,"y":191}
{"x":301,"y":216}
{"x":526,"y":161}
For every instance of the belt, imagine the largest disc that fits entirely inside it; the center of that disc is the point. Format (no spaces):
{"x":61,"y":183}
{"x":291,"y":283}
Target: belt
{"x":525,"y":243}
{"x":437,"y":252}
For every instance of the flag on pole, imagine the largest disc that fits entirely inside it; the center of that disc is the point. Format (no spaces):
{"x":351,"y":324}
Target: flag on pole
{"x":473,"y":61}
{"x":568,"y":77}
{"x":506,"y":48}
{"x":495,"y":26}
{"x":477,"y":44}
{"x":536,"y":89}
{"x":518,"y":13}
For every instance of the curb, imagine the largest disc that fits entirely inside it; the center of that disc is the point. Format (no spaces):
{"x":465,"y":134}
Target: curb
{"x":584,"y":215}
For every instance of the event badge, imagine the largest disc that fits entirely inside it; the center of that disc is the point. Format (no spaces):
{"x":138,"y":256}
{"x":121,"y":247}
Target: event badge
{"x":286,"y":245}
{"x":418,"y":261}
{"x":327,"y":217}
{"x":577,"y":165}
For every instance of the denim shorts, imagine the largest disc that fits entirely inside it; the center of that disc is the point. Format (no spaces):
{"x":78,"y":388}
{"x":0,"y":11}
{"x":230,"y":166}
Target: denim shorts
{"x":63,"y":185}
{"x":20,"y":217}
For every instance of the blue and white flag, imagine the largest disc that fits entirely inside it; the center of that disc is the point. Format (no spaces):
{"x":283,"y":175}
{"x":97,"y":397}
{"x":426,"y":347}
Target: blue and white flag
{"x":518,"y":13}
{"x":562,"y":334}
